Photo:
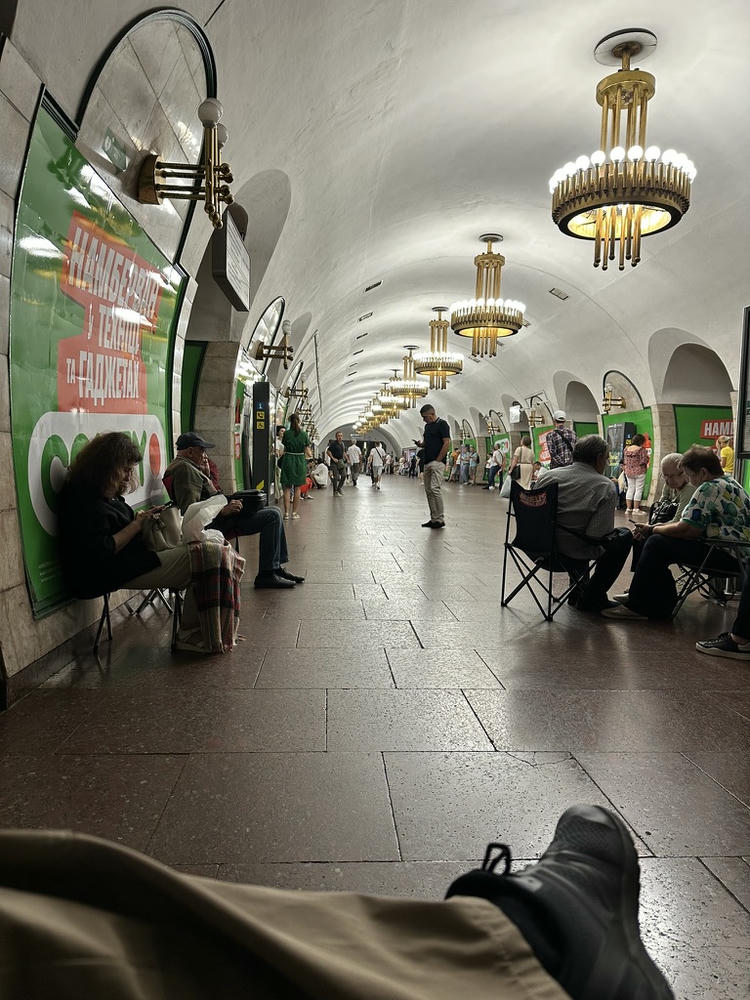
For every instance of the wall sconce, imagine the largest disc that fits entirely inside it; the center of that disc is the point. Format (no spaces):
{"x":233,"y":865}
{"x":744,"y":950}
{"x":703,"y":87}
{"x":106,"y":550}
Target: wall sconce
{"x":282,"y":352}
{"x":534,"y":412}
{"x":610,"y":400}
{"x":207,"y":181}
{"x":295,"y":393}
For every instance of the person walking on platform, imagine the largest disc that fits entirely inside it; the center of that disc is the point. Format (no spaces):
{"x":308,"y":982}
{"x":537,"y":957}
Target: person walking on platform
{"x":296,"y":445}
{"x":376,"y":461}
{"x":354,"y":460}
{"x":560,"y":442}
{"x":335,"y":451}
{"x":435,"y":445}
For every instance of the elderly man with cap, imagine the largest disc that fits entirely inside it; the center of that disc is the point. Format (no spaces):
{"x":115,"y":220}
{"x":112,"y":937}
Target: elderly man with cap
{"x":187,"y":484}
{"x":560,"y":442}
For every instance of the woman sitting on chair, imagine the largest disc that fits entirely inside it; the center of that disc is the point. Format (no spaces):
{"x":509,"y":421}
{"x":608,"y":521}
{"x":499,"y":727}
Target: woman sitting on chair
{"x":102,"y":546}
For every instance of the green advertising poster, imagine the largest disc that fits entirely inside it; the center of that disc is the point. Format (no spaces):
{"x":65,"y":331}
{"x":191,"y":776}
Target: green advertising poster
{"x":644,"y":424}
{"x":702,"y":425}
{"x":92,"y":308}
{"x":501,"y":441}
{"x":585,"y":427}
{"x":539,"y":443}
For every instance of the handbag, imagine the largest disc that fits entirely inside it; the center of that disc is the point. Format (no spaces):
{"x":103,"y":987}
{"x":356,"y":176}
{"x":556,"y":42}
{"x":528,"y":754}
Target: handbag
{"x":163,"y":531}
{"x":252,"y":500}
{"x":515,"y":472}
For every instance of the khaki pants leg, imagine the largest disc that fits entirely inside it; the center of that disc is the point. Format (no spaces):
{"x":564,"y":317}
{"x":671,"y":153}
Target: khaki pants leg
{"x":174,"y":572}
{"x":433,"y":481}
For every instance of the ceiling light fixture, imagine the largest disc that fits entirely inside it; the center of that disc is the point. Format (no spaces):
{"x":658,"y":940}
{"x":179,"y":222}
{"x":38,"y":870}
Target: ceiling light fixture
{"x":626,"y":189}
{"x":439,"y":363}
{"x":487,"y":316}
{"x":409,"y":387}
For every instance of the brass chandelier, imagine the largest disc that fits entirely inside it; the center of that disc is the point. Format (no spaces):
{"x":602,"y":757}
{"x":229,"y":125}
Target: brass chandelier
{"x":626,"y":189}
{"x":409,"y":387}
{"x":487,"y":316}
{"x":438,"y":363}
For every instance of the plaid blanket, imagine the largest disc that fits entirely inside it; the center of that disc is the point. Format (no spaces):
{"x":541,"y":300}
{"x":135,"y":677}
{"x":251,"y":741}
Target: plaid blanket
{"x":216,"y":571}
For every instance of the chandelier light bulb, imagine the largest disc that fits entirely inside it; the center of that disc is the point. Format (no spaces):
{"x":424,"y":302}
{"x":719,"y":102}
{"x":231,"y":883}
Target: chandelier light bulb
{"x":598,"y":157}
{"x":668,"y":156}
{"x":617,"y":155}
{"x":635,"y":153}
{"x":652,"y":153}
{"x":583,"y":163}
{"x":681,"y":161}
{"x":569,"y":168}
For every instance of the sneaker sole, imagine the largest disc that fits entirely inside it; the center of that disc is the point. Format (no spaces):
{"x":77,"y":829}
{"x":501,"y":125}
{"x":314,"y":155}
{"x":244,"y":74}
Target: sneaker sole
{"x":726,"y":653}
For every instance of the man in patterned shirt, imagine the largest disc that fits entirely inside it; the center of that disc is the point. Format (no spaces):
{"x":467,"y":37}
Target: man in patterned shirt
{"x":560,"y":442}
{"x":719,"y":508}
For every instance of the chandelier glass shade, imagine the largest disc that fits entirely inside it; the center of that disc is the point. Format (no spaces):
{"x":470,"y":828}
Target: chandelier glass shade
{"x":438,"y":363}
{"x":487,"y":316}
{"x":408,"y":387}
{"x":626,"y":189}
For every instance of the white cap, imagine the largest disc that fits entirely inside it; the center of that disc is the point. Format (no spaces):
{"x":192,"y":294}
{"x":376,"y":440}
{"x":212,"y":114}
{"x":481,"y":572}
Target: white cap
{"x":559,"y":415}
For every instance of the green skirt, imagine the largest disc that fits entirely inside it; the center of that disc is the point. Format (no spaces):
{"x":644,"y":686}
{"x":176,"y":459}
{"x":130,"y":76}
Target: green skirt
{"x":293,"y":470}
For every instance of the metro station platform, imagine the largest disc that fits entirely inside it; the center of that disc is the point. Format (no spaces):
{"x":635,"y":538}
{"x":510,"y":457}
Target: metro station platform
{"x":383,"y":721}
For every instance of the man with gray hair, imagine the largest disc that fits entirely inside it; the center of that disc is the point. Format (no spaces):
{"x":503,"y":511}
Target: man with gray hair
{"x":586,"y":502}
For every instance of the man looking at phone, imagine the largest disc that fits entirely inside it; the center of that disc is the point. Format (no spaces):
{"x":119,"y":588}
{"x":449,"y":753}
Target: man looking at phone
{"x":186,"y":483}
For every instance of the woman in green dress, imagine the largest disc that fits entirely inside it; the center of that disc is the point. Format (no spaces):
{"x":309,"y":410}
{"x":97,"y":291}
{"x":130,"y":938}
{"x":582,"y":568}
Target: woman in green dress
{"x":294,"y":464}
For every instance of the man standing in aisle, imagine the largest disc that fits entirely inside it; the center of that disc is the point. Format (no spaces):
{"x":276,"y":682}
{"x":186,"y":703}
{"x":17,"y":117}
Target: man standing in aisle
{"x":335,"y":452}
{"x":435,"y":445}
{"x":560,"y":442}
{"x":497,"y":464}
{"x":354,"y":458}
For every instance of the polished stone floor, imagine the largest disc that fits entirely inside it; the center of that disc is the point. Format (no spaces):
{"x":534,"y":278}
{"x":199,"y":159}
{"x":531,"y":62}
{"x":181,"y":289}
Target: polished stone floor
{"x":380,"y":723}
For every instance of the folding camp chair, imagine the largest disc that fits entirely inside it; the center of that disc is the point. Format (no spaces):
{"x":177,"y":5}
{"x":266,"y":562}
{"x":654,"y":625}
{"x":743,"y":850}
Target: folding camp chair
{"x":724,"y":562}
{"x":534,"y":549}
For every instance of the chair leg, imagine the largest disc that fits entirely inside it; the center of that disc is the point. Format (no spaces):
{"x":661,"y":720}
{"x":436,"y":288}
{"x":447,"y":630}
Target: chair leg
{"x":177,"y":602}
{"x":104,"y":618}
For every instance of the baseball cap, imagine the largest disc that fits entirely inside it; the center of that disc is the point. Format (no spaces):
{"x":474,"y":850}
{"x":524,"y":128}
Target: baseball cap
{"x":559,"y":415}
{"x":192,"y":440}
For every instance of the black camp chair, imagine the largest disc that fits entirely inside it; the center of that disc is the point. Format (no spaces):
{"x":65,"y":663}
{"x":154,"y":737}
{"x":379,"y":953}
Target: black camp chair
{"x":723,"y":567}
{"x":534,"y":549}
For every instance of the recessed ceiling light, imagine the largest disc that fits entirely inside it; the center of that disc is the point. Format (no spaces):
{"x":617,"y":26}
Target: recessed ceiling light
{"x":559,"y":293}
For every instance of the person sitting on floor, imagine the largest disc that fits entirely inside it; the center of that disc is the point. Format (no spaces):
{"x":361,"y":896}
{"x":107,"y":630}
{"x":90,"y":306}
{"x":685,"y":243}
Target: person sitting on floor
{"x":718,"y":509}
{"x":102,"y":546}
{"x":586,"y":523}
{"x":187,"y":484}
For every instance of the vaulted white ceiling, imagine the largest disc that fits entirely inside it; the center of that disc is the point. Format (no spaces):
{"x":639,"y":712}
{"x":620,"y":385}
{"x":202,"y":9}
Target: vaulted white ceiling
{"x":407,"y":128}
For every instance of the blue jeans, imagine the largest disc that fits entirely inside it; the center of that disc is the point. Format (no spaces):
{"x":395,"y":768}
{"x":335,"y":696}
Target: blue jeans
{"x":268,"y":523}
{"x":494,"y":470}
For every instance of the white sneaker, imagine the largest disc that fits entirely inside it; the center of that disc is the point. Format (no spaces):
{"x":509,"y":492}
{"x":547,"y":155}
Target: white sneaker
{"x":490,"y":487}
{"x":286,"y":517}
{"x":621,"y":598}
{"x":296,"y":517}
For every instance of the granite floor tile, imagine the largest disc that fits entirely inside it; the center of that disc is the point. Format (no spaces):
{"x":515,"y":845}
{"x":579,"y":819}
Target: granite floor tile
{"x":326,"y":668}
{"x":695,"y":930}
{"x":402,"y":720}
{"x":436,"y":668}
{"x":448,"y":806}
{"x":119,"y":798}
{"x":735,"y":701}
{"x":672,"y":805}
{"x":336,"y":591}
{"x":408,"y":879}
{"x":734,"y":875}
{"x":606,"y":720}
{"x":42,"y":721}
{"x":270,"y":807}
{"x":310,"y":609}
{"x":396,"y":609}
{"x":331,"y":633}
{"x":203,"y":721}
{"x":362,"y":590}
{"x":730,"y":769}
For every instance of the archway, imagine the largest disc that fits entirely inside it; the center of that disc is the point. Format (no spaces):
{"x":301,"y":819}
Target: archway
{"x":580,"y":404}
{"x":696,"y":375}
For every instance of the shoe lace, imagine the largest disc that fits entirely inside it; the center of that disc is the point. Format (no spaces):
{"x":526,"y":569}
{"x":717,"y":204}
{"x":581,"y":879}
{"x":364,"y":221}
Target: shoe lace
{"x":490,"y":863}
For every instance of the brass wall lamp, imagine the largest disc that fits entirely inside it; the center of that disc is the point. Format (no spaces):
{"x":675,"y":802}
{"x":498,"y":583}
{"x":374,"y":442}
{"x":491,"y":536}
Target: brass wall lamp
{"x":207,"y":181}
{"x":282,"y":351}
{"x":610,"y":400}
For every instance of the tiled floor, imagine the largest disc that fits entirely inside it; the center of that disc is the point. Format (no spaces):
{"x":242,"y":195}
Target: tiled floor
{"x":382,"y":722}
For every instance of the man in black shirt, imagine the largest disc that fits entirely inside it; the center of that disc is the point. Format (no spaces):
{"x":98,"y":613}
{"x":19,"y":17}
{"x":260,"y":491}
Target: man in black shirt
{"x":335,"y":452}
{"x":437,"y":441}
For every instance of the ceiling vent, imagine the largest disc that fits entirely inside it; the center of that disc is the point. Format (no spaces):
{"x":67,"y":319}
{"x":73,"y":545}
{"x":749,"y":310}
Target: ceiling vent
{"x":361,"y":335}
{"x":559,"y":293}
{"x":360,"y":351}
{"x":364,"y":316}
{"x":375,"y":284}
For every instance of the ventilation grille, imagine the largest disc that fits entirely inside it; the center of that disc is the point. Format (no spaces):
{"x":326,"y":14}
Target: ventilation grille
{"x":375,"y":284}
{"x":364,"y":316}
{"x":559,"y":293}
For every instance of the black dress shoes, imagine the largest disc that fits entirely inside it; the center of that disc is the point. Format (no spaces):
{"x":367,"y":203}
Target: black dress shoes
{"x":434,"y":524}
{"x":272,"y":581}
{"x":289,"y":576}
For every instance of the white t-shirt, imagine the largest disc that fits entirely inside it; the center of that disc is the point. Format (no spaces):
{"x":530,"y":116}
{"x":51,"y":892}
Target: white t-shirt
{"x":354,"y":454}
{"x":377,"y":456}
{"x":497,"y":456}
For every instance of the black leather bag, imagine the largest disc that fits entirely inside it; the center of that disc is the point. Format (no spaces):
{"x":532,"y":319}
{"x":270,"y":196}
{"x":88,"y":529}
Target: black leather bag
{"x":252,"y":500}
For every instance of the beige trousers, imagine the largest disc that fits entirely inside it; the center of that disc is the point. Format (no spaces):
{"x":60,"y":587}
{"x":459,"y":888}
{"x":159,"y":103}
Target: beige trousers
{"x":433,"y":483}
{"x":80,"y":917}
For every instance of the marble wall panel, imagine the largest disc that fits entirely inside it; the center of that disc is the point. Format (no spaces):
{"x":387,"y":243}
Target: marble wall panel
{"x":18,"y":81}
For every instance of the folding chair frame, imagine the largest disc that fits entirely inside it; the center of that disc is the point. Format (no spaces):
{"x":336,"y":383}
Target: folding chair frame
{"x":694,"y":577}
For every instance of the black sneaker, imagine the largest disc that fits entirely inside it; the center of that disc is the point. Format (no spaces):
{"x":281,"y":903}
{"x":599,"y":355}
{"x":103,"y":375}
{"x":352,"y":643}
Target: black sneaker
{"x":724,"y":645}
{"x":578,"y":907}
{"x":289,"y":576}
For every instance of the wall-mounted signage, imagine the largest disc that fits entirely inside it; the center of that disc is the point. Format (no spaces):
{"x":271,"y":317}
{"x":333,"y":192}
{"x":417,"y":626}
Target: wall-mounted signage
{"x":717,"y":428}
{"x":93,"y":305}
{"x":230,"y":262}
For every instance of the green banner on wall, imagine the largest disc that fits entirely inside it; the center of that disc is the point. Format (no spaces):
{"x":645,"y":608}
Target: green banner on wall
{"x":92,"y":308}
{"x":702,"y":425}
{"x":644,"y":424}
